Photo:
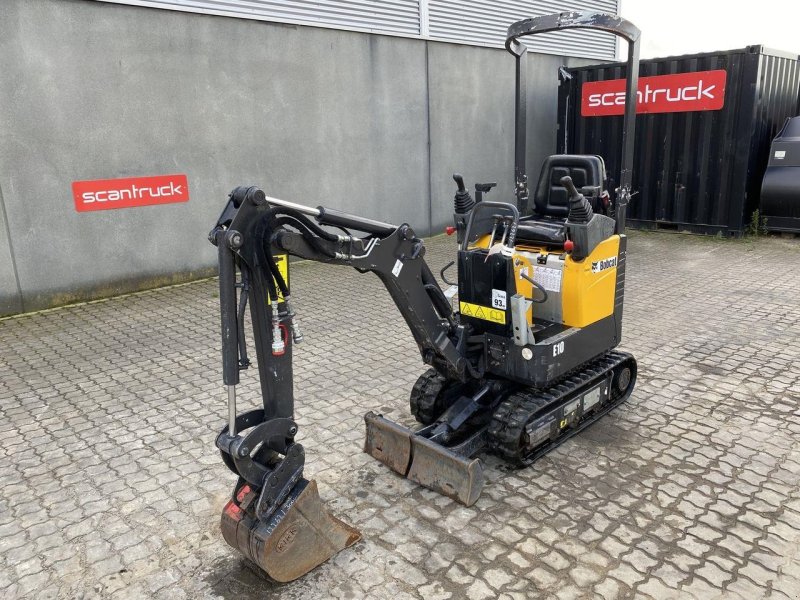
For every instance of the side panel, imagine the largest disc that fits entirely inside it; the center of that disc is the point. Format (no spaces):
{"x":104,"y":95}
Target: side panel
{"x":553,"y":357}
{"x":584,"y":291}
{"x":590,"y":285}
{"x":484,"y":290}
{"x":546,"y":269}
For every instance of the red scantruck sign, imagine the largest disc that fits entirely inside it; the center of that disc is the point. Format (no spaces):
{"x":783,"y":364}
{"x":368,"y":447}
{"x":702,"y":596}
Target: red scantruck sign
{"x":682,"y":92}
{"x":105,"y":194}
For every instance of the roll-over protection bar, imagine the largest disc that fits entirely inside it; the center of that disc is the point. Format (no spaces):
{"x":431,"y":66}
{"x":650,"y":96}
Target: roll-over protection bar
{"x":569,"y":20}
{"x":576,"y":20}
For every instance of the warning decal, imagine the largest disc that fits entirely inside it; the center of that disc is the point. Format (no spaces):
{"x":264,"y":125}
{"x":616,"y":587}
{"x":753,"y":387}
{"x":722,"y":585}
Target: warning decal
{"x":483,"y":312}
{"x":282,"y":261}
{"x":548,"y":278}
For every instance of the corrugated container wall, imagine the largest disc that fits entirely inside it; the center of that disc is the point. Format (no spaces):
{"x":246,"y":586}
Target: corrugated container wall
{"x":697,"y":171}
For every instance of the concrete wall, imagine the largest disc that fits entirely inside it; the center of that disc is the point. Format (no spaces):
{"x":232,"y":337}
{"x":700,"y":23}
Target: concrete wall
{"x":371,"y":124}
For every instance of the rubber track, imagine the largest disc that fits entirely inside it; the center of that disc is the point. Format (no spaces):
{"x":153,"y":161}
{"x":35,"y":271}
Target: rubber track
{"x":513,"y":414}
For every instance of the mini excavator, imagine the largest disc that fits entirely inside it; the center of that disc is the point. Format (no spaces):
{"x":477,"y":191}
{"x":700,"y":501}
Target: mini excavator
{"x":527,"y":360}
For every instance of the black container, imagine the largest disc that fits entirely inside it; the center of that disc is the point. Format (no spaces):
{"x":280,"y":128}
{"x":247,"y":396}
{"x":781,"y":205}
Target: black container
{"x":699,"y":171}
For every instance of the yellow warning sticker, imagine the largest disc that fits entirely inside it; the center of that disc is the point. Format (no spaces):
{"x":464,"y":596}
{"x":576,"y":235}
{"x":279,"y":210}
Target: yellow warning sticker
{"x":282,"y":260}
{"x":483,"y":312}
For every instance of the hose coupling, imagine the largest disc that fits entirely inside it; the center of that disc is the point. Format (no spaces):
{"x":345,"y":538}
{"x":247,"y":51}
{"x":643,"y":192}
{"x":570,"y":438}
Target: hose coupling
{"x":297,"y":335}
{"x":278,"y":346}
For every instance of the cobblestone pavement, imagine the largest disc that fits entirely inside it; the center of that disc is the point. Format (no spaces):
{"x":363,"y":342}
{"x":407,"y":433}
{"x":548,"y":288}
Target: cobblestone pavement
{"x":110,"y":485}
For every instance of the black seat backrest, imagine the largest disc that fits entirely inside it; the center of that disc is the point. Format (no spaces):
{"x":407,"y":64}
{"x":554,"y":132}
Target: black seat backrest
{"x":551,"y":198}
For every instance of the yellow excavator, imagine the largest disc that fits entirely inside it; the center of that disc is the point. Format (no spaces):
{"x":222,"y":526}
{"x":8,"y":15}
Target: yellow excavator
{"x":526,"y":361}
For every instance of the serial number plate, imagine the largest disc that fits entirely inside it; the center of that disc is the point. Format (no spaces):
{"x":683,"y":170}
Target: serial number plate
{"x":591,"y":397}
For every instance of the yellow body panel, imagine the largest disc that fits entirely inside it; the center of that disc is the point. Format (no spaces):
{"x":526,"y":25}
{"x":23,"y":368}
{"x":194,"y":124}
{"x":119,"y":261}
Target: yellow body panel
{"x":481,"y":242}
{"x":588,"y":286}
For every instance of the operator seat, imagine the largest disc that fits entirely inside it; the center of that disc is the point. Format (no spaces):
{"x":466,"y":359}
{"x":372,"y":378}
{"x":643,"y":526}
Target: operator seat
{"x":547,"y":225}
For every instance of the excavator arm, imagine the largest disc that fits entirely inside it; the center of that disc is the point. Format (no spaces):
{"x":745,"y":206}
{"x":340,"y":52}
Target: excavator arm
{"x":275,"y":516}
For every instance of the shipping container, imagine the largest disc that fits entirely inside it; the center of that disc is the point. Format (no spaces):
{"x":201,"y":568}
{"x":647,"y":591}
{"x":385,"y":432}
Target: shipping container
{"x":703,"y":132}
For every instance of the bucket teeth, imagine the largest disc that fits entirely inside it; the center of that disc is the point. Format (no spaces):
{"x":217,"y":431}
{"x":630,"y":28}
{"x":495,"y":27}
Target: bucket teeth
{"x":424,"y":462}
{"x":299,"y":536}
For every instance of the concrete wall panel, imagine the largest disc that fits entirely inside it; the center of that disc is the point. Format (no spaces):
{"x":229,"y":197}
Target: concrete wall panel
{"x":90,"y":90}
{"x":472,"y":120}
{"x":472,"y":123}
{"x":94,"y":91}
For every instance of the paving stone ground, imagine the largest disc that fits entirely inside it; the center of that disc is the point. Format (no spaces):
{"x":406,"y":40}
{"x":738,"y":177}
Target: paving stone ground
{"x":110,"y":485}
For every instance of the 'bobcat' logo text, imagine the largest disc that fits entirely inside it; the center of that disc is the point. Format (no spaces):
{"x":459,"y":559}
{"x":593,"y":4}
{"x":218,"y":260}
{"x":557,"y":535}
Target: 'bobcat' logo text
{"x":602,"y":265}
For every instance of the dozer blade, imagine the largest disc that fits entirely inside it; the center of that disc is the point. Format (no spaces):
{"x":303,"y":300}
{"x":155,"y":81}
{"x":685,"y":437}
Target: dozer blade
{"x":423,"y":461}
{"x":299,"y":536}
{"x":446,"y":472}
{"x":389,"y":442}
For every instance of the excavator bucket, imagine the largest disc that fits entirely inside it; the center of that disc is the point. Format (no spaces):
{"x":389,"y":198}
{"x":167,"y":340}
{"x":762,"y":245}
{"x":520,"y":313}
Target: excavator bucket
{"x":299,"y":536}
{"x":423,"y":461}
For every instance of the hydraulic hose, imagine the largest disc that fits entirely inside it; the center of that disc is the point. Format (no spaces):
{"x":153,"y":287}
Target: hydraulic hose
{"x":307,"y":234}
{"x":316,"y":229}
{"x":538,"y":287}
{"x":310,"y":231}
{"x":444,"y":270}
{"x":244,"y":362}
{"x":440,"y":302}
{"x":261,"y":255}
{"x":264,"y":232}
